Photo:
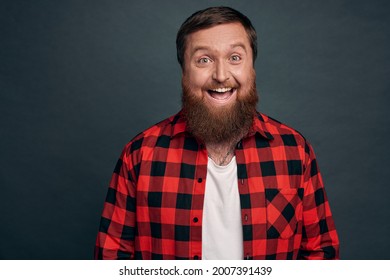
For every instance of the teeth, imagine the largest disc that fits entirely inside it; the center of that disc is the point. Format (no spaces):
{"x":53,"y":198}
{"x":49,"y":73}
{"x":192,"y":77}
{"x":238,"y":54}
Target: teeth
{"x":221,"y":89}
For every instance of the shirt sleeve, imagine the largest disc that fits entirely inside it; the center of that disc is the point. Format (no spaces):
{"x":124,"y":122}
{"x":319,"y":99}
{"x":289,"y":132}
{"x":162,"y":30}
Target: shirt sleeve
{"x":115,"y":239}
{"x":319,"y":236}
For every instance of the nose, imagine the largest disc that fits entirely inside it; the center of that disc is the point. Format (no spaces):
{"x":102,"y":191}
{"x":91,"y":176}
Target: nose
{"x":221,"y":72}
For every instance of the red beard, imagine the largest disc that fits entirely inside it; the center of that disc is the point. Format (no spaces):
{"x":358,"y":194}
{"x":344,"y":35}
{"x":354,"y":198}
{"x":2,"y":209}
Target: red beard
{"x":219,"y":124}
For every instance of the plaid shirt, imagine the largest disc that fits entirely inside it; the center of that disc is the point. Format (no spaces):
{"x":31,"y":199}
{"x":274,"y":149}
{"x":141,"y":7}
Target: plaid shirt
{"x":154,"y":205}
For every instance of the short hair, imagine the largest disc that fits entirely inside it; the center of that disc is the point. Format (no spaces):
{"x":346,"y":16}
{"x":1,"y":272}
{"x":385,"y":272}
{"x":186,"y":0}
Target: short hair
{"x":211,"y":17}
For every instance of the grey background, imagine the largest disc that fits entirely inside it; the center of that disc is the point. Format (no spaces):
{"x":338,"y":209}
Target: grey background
{"x":79,"y":79}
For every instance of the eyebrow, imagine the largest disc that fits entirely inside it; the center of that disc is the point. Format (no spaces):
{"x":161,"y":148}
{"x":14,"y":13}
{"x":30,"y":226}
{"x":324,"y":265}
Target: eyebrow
{"x":241,"y":45}
{"x":232,"y":46}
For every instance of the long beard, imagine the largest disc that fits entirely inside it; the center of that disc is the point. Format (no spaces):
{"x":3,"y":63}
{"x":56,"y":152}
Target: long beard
{"x":225,"y":124}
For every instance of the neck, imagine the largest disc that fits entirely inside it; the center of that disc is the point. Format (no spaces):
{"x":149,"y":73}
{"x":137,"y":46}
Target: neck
{"x":221,"y":153}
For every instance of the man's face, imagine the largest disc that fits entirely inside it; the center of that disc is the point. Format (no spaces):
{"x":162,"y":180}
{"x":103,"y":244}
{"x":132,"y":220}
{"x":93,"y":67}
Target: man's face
{"x":218,"y":64}
{"x":219,"y":92}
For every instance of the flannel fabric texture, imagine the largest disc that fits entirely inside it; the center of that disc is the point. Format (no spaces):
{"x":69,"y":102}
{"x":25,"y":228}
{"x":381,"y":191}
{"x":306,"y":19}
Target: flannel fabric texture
{"x":154,"y":204}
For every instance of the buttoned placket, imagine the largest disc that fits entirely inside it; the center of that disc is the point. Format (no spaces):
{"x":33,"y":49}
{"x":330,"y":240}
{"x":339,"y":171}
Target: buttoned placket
{"x":197,"y":204}
{"x":243,"y":189}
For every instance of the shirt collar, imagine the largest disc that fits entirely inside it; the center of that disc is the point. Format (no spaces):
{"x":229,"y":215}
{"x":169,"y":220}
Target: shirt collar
{"x":179,"y":125}
{"x":260,"y":125}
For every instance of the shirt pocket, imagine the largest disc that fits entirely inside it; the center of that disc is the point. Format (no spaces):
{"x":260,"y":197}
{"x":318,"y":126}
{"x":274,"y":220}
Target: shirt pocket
{"x":284,"y":211}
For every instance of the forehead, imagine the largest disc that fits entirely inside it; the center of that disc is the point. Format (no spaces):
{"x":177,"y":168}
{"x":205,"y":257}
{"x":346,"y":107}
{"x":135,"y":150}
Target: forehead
{"x":219,"y":37}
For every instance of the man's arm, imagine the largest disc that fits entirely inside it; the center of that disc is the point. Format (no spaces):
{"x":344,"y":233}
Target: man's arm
{"x":115,"y":239}
{"x":319,"y":236}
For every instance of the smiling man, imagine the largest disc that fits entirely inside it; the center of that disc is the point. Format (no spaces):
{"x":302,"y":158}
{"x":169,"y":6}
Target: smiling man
{"x":218,"y":180}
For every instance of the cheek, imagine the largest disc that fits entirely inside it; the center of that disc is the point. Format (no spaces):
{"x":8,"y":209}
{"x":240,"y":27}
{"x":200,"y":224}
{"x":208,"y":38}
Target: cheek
{"x":245,"y":77}
{"x":197,"y":79}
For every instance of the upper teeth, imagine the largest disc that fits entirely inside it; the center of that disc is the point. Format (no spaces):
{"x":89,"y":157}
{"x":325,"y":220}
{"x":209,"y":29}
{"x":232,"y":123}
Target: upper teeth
{"x":222,"y":89}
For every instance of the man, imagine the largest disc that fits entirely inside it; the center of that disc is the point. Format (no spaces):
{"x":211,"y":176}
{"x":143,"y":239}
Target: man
{"x":218,"y":180}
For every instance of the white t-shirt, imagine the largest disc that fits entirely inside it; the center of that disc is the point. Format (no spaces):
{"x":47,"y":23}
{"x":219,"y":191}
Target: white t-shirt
{"x":221,"y":226}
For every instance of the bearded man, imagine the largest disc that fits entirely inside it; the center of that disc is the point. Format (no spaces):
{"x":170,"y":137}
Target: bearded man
{"x":218,"y":180}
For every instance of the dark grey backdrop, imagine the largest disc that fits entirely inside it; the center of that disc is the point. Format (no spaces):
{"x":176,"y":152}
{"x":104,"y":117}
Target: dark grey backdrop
{"x":79,"y":79}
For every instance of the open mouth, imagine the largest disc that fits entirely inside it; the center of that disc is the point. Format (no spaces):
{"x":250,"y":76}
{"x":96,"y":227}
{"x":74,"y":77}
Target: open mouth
{"x":221,"y":94}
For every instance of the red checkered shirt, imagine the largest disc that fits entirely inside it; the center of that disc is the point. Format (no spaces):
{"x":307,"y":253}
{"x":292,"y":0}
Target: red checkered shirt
{"x":154,"y":204}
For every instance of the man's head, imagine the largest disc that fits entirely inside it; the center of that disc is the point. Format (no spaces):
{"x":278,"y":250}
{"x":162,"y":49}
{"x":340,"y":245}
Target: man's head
{"x":219,"y":91}
{"x":208,"y":18}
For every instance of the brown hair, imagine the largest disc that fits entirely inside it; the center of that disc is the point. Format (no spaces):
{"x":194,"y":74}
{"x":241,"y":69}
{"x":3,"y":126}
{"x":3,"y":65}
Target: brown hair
{"x":211,"y":17}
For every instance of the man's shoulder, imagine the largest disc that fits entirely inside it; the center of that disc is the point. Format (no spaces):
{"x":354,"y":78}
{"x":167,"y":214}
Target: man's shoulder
{"x":163,"y":127}
{"x":161,"y":131}
{"x":280,"y":130}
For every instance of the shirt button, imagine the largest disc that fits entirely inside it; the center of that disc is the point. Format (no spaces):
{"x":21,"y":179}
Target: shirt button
{"x":195,"y":220}
{"x":196,"y":257}
{"x":246,"y":217}
{"x":200,"y":180}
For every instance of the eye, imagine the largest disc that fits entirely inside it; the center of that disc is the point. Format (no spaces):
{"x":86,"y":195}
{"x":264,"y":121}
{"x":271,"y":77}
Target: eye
{"x":204,"y":60}
{"x":235,"y":58}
